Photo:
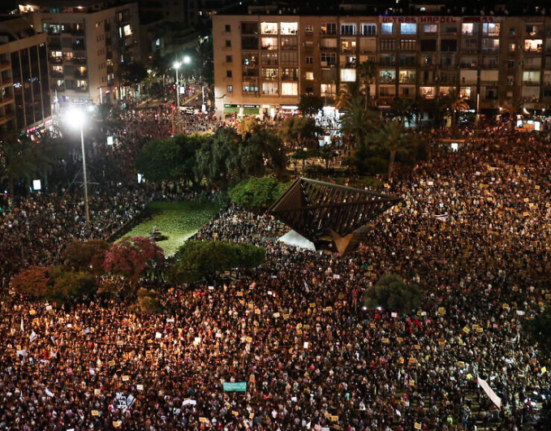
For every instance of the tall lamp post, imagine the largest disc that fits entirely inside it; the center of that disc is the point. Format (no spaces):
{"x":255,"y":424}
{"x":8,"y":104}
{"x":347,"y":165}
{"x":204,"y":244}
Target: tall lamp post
{"x":176,"y":66}
{"x":76,"y":118}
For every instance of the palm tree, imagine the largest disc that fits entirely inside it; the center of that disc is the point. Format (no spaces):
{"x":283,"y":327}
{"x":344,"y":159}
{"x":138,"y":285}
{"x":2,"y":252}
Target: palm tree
{"x":367,"y":71}
{"x":455,"y":102}
{"x":351,"y":90}
{"x":358,"y":121}
{"x":402,"y":109}
{"x":392,"y":138}
{"x":513,"y":108}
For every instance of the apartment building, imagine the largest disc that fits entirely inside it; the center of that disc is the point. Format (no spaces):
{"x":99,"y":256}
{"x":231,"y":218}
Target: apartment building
{"x":263,"y":63}
{"x":24,"y":88}
{"x":87,"y":45}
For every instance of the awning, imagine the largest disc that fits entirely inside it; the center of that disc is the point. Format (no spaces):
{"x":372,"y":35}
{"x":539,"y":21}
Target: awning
{"x":251,"y":111}
{"x":231,"y":110}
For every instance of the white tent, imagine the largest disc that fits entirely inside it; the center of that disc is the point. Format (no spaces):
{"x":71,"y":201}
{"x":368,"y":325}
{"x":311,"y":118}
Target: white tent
{"x":297,"y":240}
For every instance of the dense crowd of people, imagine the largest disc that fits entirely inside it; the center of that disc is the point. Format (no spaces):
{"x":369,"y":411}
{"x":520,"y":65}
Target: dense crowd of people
{"x":473,"y":232}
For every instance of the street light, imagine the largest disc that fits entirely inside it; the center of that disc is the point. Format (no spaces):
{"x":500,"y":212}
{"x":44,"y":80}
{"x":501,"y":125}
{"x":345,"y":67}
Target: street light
{"x":176,"y":66}
{"x":75,"y":117}
{"x":187,"y":59}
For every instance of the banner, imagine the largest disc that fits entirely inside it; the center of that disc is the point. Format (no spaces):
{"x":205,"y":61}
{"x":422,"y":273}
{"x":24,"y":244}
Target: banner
{"x":235,"y":387}
{"x":491,"y":394}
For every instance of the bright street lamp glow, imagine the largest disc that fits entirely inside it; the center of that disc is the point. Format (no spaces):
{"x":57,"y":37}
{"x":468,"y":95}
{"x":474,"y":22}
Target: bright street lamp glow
{"x":187,"y":59}
{"x":176,"y":65}
{"x":75,"y":117}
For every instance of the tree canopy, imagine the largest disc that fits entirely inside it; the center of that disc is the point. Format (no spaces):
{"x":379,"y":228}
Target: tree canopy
{"x":392,"y":293}
{"x":310,"y":104}
{"x":197,"y":259}
{"x":256,"y":193}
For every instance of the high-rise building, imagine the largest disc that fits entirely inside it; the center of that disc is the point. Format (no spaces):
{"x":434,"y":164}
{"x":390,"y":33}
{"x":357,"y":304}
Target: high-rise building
{"x":88,"y":45}
{"x":263,"y":63}
{"x":25,"y":100}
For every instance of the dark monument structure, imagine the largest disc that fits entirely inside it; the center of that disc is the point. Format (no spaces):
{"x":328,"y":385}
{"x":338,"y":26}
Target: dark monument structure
{"x":324,"y":212}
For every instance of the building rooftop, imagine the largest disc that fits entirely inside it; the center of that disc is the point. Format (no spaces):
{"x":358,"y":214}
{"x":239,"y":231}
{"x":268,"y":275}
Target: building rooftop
{"x":69,"y":6}
{"x":14,"y":28}
{"x":389,"y":7}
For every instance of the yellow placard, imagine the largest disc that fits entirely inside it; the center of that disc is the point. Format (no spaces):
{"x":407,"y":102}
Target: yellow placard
{"x":466,"y":330}
{"x":399,"y":340}
{"x":111,"y":363}
{"x":249,"y":339}
{"x":313,"y":305}
{"x":543,"y":370}
{"x":479,"y":330}
{"x":32,"y":312}
{"x":117,"y":424}
{"x":417,"y":347}
{"x":203,"y":420}
{"x":441,"y":311}
{"x":385,"y":340}
{"x":285,"y":316}
{"x":417,"y":426}
{"x":125,"y":378}
{"x":470,"y":376}
{"x":234,"y":413}
{"x":95,"y":413}
{"x":505,"y":306}
{"x":334,"y":418}
{"x":257,"y":311}
{"x":251,"y":416}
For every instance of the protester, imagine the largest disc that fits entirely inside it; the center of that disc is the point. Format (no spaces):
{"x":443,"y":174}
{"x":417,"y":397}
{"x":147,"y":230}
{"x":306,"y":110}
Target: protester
{"x":473,"y":232}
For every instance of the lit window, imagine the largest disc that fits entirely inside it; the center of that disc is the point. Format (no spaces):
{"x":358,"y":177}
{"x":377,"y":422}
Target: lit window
{"x":289,"y":27}
{"x":348,"y":75}
{"x":386,"y":28}
{"x":127,"y":30}
{"x":268,"y":27}
{"x":408,"y":28}
{"x":309,"y":76}
{"x":289,"y":89}
{"x":430,"y":28}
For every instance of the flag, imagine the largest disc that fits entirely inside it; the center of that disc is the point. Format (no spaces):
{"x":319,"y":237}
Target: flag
{"x":442,"y":217}
{"x":22,"y":326}
{"x":489,"y":391}
{"x":33,"y":336}
{"x":306,"y":287}
{"x":50,"y":394}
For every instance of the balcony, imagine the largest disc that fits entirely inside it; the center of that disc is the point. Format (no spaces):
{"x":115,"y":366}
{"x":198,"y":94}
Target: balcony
{"x":5,"y":65}
{"x":79,"y":46}
{"x":81,"y":89}
{"x":6,"y":100}
{"x":387,"y":63}
{"x":6,"y":118}
{"x":408,"y":80}
{"x":269,"y":78}
{"x":531,"y":83}
{"x":56,"y":74}
{"x":469,"y":66}
{"x":6,"y":82}
{"x":490,"y":50}
{"x":387,"y":80}
{"x":79,"y":60}
{"x":81,"y":75}
{"x":289,"y":78}
{"x":54,"y":45}
{"x":55,"y":60}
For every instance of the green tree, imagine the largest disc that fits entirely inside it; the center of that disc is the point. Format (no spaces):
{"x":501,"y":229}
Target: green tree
{"x":310,"y":104}
{"x":148,"y":302}
{"x":367,"y":71}
{"x":217,"y":159}
{"x":402,"y":109}
{"x":197,"y":259}
{"x":256,"y":194}
{"x":247,"y":127}
{"x":22,"y":159}
{"x":392,"y":293}
{"x":71,"y":284}
{"x":261,"y":153}
{"x":539,"y":329}
{"x":133,"y":73}
{"x":187,"y":166}
{"x":301,"y":132}
{"x":159,"y":160}
{"x":393,"y":139}
{"x":455,"y":102}
{"x":358,"y":121}
{"x":86,"y":256}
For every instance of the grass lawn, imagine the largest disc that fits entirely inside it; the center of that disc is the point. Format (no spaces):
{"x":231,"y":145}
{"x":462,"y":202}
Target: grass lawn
{"x":177,"y":220}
